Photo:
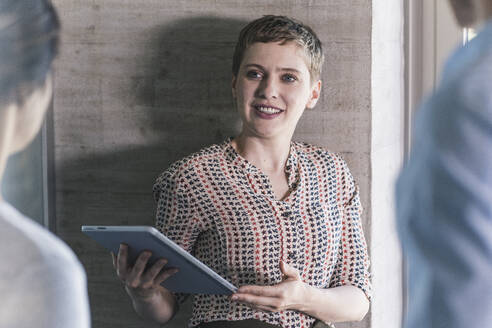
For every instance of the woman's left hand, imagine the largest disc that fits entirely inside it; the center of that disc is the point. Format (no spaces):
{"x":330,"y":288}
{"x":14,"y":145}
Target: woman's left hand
{"x":287,"y":295}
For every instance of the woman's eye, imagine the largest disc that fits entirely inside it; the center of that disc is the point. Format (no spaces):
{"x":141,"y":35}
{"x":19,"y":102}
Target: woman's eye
{"x":253,"y":74}
{"x":289,"y":78}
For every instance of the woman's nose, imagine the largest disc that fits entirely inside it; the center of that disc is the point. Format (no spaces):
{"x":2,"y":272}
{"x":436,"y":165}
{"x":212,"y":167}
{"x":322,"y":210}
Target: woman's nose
{"x":267,"y":88}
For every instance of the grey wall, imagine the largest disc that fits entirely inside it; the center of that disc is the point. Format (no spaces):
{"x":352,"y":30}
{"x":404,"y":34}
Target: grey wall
{"x":142,"y":83}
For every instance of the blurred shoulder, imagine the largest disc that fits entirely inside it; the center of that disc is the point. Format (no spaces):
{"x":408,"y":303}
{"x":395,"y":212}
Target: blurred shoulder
{"x":466,"y":85}
{"x":41,"y":250}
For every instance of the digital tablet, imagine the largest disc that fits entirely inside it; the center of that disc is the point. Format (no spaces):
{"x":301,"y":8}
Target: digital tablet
{"x":193,"y":276}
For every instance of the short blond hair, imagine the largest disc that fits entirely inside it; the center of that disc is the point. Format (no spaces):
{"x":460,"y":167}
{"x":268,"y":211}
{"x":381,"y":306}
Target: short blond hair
{"x":271,"y":28}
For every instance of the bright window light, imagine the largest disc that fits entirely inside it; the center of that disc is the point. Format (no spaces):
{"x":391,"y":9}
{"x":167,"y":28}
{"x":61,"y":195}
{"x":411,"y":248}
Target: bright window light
{"x":468,"y":35}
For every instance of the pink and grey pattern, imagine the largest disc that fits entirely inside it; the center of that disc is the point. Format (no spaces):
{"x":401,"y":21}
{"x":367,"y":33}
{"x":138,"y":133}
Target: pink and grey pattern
{"x":221,"y":208}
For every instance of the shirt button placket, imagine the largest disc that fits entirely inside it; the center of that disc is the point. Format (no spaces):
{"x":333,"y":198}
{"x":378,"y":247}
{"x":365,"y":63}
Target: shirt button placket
{"x":285,"y":217}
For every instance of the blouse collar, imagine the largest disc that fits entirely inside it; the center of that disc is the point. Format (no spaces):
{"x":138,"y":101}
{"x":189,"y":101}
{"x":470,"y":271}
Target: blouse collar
{"x":239,"y":162}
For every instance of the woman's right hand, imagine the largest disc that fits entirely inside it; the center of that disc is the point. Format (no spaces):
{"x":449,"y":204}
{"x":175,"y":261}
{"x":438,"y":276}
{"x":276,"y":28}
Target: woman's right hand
{"x":150,"y":300}
{"x":141,"y":283}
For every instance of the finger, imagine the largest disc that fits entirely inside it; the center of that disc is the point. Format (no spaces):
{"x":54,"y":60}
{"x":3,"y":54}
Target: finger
{"x":114,"y":260}
{"x":121,"y":263}
{"x":269,"y":291}
{"x":164,"y":275}
{"x":134,"y":278}
{"x":263,"y":308}
{"x":259,"y":301}
{"x":289,"y":271}
{"x":149,"y":276}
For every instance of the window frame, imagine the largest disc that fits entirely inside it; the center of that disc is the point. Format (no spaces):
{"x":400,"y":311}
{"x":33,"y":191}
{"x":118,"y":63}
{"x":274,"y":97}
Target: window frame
{"x":431,"y":34}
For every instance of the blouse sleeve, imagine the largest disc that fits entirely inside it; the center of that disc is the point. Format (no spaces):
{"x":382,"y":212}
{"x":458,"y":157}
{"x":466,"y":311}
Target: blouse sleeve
{"x":175,"y":214}
{"x":352,"y":267}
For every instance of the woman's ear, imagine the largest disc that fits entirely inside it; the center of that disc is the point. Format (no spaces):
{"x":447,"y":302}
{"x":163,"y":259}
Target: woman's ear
{"x":314,"y":94}
{"x":233,"y":85}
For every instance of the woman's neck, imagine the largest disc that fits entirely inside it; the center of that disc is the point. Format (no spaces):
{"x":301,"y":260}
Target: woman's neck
{"x":2,"y":168}
{"x":269,"y":155}
{"x":6,"y":131}
{"x":482,"y":11}
{"x":3,"y":162}
{"x":486,"y":10}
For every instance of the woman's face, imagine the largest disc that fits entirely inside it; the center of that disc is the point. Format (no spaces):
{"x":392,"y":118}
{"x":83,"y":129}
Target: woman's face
{"x":272,"y":89}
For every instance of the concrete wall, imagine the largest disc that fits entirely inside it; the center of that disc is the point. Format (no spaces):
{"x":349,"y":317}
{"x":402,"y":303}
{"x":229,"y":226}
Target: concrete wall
{"x":142,"y":83}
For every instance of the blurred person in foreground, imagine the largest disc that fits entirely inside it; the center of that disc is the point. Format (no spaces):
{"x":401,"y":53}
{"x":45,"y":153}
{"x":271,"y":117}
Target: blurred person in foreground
{"x":444,"y":193}
{"x":42,"y":284}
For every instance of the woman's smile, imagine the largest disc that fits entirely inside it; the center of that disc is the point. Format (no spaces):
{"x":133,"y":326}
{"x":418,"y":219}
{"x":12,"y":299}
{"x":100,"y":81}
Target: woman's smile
{"x":266,"y":111}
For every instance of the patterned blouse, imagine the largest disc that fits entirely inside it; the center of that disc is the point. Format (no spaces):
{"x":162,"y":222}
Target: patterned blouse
{"x":221,"y":208}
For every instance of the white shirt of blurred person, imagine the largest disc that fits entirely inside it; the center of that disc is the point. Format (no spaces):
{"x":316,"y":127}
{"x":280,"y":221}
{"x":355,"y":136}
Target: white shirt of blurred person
{"x":444,"y":205}
{"x":42,"y":284}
